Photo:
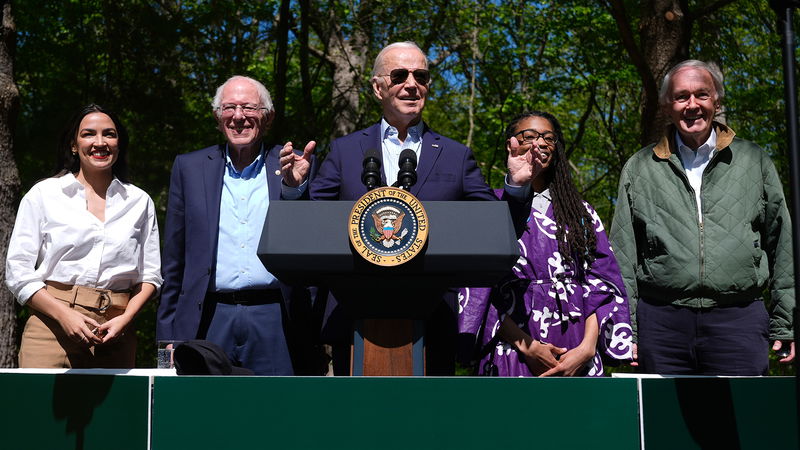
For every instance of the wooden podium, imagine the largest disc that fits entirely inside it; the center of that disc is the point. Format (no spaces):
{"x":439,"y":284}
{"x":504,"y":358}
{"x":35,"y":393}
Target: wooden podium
{"x":470,"y":244}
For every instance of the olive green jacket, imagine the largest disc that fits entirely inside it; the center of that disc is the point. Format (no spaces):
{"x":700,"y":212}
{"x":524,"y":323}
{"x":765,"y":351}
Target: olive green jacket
{"x":743,"y":246}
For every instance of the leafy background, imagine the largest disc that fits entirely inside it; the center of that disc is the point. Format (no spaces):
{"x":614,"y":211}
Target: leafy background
{"x":158,"y":63}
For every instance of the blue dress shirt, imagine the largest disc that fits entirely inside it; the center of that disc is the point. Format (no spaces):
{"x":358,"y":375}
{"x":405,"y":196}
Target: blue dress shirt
{"x":392,"y":147}
{"x":243,"y":208}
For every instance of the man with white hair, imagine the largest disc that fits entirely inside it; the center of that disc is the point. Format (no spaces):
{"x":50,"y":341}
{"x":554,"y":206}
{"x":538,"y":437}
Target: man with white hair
{"x":215,"y":287}
{"x":701,"y":228}
{"x":446,"y":170}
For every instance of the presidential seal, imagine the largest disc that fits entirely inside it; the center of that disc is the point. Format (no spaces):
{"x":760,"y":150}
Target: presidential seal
{"x":388,"y":226}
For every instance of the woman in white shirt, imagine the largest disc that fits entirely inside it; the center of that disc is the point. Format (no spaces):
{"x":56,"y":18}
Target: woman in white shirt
{"x":84,"y":253}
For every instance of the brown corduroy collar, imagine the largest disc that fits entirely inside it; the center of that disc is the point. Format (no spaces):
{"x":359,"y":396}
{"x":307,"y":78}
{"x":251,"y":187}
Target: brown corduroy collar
{"x":666,"y":145}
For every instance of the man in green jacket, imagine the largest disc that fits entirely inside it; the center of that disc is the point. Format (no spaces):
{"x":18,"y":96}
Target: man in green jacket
{"x":701,"y":228}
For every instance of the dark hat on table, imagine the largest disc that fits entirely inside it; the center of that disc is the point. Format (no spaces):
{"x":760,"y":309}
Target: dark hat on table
{"x":199,"y":357}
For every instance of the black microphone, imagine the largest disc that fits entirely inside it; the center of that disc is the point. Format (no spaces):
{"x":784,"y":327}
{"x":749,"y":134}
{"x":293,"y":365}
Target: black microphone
{"x":407,"y":175}
{"x":371,"y":175}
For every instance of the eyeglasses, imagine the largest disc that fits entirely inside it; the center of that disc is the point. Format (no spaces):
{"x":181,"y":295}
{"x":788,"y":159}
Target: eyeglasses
{"x":399,"y":76}
{"x":228,"y":110}
{"x":530,"y":136}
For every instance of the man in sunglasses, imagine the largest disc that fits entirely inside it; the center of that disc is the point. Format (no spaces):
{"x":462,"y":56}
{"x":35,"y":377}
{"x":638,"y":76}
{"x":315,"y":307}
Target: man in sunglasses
{"x":446,"y":171}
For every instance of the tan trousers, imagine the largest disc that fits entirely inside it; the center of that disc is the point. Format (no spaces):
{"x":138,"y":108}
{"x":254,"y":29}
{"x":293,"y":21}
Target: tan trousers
{"x":45,"y":345}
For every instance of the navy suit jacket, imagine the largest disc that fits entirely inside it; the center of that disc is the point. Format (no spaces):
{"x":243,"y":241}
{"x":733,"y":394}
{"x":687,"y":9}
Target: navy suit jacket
{"x":447,"y":170}
{"x":190,"y":237}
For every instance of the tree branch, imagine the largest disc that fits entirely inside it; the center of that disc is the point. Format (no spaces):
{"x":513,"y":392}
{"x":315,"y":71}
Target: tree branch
{"x":711,"y":9}
{"x":583,"y":119}
{"x":438,"y":21}
{"x":626,"y":36}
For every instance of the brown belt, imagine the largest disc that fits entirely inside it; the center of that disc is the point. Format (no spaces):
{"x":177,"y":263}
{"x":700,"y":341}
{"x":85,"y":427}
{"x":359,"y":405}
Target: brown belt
{"x":93,"y":299}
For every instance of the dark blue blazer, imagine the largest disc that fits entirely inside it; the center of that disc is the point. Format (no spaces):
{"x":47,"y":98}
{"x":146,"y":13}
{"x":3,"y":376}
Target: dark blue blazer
{"x":447,"y":170}
{"x":190,"y":238}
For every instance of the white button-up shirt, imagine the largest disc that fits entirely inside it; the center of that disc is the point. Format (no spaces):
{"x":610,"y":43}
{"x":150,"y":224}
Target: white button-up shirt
{"x":391,"y":148}
{"x":541,"y":201}
{"x":56,"y":238}
{"x":694,"y":163}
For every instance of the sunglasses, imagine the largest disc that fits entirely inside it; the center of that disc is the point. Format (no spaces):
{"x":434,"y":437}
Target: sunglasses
{"x":399,"y":76}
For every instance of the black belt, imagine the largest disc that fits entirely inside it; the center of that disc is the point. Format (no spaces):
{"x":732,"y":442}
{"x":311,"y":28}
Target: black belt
{"x":247,"y":297}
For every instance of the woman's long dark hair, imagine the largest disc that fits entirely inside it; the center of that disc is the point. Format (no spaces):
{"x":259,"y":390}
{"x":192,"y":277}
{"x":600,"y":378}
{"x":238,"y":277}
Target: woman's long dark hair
{"x":570,"y":213}
{"x":69,"y":162}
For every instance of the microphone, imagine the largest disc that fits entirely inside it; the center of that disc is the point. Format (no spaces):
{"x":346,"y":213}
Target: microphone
{"x":407,"y":175}
{"x":371,"y":175}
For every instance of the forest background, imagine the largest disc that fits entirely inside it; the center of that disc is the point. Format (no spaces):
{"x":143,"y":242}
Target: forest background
{"x":596,"y":65}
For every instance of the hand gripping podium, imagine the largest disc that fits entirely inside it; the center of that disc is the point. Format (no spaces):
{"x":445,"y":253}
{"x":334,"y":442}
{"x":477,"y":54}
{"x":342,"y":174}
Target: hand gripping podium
{"x":470,"y":244}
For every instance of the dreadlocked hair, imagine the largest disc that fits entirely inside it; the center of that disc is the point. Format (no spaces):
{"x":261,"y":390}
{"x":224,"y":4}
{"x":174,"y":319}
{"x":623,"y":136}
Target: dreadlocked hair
{"x":574,"y":225}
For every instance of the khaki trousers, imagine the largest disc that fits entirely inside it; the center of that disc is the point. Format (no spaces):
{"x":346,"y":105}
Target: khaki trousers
{"x":45,"y":345}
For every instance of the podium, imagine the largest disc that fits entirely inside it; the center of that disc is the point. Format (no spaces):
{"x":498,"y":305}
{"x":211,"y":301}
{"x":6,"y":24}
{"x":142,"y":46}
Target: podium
{"x":470,"y":244}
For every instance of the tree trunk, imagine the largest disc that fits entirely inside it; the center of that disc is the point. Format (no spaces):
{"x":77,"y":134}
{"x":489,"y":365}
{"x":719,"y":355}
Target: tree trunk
{"x":9,"y":179}
{"x":307,"y":107}
{"x":663,"y":41}
{"x":474,"y":48}
{"x":349,"y":58}
{"x":281,"y":64}
{"x":664,"y":33}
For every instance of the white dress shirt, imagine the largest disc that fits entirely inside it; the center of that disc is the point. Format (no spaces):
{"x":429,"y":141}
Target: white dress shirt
{"x":694,"y":163}
{"x":391,"y":148}
{"x":541,"y":201}
{"x":56,"y":238}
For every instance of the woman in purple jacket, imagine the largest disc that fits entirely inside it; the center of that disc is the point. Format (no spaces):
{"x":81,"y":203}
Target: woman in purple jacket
{"x":563,"y":307}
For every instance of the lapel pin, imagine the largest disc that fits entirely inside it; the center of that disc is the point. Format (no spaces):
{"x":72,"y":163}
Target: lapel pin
{"x":277,"y":172}
{"x":435,"y":145}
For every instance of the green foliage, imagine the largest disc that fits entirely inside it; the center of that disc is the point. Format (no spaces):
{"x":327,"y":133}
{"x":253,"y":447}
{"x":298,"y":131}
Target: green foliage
{"x":158,"y":64}
{"x":543,"y":56}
